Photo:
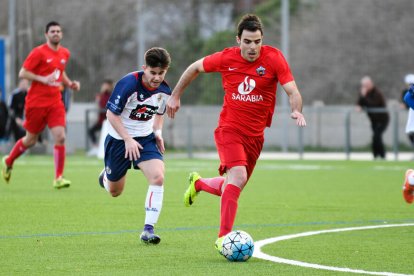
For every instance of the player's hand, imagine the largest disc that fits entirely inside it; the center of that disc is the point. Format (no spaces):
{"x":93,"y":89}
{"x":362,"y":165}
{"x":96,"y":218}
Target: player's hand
{"x":300,"y":119}
{"x":132,"y":148}
{"x":49,"y":80}
{"x":75,"y":85}
{"x":160,"y":143}
{"x":19,"y":121}
{"x":173,"y":105}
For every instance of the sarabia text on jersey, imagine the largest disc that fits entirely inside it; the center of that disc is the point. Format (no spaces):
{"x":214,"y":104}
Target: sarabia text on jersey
{"x":44,"y":61}
{"x":137,"y":104}
{"x":250,"y":87}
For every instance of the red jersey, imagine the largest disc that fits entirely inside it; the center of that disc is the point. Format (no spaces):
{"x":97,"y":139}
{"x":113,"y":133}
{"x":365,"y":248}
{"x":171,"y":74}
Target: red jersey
{"x":43,"y":61}
{"x":250,"y":87}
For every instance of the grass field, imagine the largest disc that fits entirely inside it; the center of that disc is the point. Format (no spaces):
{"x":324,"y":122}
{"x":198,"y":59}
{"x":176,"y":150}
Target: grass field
{"x":82,"y":230}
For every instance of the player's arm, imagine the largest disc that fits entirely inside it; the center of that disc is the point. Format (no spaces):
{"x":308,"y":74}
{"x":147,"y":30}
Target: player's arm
{"x":132,"y":147}
{"x":295,"y":100}
{"x":186,"y":78}
{"x":48,"y":80}
{"x":157,"y":127}
{"x":75,"y":85}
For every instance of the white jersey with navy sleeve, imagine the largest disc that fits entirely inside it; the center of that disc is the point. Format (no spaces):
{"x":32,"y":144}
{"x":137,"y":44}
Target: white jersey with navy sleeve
{"x":137,"y":104}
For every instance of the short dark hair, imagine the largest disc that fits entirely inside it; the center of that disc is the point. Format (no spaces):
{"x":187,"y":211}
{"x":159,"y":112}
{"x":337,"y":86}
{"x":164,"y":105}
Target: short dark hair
{"x":51,"y":24}
{"x":157,"y":57}
{"x":249,"y":22}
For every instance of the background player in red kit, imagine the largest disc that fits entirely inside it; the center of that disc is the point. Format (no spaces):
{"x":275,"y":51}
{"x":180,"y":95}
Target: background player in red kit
{"x":250,"y":74}
{"x":45,"y":67}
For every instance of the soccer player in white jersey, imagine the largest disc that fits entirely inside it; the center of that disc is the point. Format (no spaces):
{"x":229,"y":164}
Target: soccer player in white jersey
{"x":135,"y":113}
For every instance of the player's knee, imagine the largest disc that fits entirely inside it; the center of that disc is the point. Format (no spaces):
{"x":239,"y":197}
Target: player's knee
{"x":60,"y":139}
{"x":29,"y":142}
{"x":158,"y":179}
{"x":241,"y":179}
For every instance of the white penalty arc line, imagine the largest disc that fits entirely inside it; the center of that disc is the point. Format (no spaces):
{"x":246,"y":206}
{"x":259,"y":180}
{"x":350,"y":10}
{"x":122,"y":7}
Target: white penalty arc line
{"x":259,"y":254}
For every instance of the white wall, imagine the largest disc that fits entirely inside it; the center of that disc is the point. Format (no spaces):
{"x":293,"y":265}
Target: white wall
{"x":326,"y":128}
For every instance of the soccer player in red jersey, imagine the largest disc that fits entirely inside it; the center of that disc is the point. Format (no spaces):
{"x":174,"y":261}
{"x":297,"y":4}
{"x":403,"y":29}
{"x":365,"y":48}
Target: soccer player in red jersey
{"x":250,"y":73}
{"x":45,"y":68}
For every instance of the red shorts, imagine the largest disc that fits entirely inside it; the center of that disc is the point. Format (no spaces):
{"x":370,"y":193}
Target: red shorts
{"x":235,"y":149}
{"x":38,"y":117}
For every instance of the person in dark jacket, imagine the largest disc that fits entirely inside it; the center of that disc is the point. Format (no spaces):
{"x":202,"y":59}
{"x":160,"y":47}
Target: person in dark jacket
{"x":17,"y":104}
{"x":4,"y":119}
{"x":101,"y":99}
{"x":371,"y":98}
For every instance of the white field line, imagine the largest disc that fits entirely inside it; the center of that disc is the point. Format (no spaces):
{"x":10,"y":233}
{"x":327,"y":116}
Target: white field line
{"x":259,"y":254}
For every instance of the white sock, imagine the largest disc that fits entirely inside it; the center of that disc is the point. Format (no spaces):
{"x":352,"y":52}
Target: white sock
{"x":105,"y":182}
{"x":411,"y":178}
{"x":153,"y":204}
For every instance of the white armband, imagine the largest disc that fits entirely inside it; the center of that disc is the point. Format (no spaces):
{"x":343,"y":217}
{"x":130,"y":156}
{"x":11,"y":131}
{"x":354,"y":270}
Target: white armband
{"x":158,"y":132}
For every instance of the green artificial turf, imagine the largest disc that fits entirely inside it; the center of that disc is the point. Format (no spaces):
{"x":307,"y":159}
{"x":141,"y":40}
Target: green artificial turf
{"x":83,"y":230}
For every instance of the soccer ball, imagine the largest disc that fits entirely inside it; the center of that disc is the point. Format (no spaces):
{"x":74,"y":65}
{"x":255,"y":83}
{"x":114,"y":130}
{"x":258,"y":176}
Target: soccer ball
{"x":238,"y":246}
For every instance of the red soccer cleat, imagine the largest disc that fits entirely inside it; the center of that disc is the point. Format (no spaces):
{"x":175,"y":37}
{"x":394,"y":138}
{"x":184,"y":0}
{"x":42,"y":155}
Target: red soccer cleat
{"x":408,"y":190}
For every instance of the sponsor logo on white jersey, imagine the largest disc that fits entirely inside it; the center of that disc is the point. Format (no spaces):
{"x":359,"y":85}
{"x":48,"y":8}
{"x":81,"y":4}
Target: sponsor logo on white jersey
{"x":143,"y":112}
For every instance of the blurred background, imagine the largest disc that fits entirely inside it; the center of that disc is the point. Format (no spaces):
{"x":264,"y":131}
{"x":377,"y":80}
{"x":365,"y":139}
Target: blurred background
{"x":330,"y":45}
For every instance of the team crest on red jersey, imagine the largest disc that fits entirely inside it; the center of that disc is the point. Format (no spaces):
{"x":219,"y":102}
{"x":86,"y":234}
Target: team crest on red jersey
{"x":261,"y":71}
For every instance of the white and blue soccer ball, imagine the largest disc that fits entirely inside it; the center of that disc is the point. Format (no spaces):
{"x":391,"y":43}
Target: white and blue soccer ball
{"x":238,"y":246}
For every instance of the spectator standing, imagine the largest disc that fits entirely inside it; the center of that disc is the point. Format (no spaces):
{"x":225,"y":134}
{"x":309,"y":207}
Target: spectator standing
{"x":101,"y":99}
{"x":4,"y":119}
{"x":370,"y":98}
{"x":16,"y":109}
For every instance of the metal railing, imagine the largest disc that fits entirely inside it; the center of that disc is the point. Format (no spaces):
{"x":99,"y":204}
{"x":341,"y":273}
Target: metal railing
{"x":193,"y":129}
{"x":394,"y":124}
{"x":346,"y":122}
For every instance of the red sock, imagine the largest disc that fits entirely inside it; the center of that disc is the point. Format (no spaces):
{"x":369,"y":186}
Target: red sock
{"x":59,"y":153}
{"x":16,"y":151}
{"x":210,"y":185}
{"x":228,"y":208}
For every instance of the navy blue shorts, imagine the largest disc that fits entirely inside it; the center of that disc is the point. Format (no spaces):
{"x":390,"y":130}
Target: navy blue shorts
{"x":116,"y":165}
